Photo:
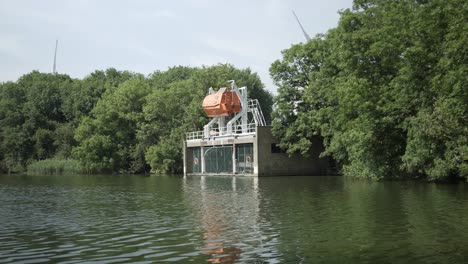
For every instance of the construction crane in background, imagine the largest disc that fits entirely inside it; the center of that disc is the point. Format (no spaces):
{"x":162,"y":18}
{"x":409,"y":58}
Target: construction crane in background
{"x":307,"y":37}
{"x":54,"y":70}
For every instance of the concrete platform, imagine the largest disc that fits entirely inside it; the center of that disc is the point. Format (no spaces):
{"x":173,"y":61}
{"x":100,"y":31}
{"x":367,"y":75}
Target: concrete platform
{"x":260,"y":156}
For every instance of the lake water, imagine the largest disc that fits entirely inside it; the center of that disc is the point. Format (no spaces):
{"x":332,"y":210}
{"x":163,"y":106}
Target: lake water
{"x":135,"y":219}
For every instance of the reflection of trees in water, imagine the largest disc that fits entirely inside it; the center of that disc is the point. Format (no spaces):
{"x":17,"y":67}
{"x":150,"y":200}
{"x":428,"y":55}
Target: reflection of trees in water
{"x":341,"y":220}
{"x":228,"y":209}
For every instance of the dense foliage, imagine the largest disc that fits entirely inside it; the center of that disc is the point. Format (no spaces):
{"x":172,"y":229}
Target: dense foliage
{"x":386,"y":90}
{"x":111,"y":121}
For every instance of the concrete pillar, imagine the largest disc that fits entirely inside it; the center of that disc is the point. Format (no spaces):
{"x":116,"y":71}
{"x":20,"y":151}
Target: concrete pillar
{"x":202,"y":159}
{"x":185,"y":158}
{"x":255,"y":153}
{"x":234,"y":158}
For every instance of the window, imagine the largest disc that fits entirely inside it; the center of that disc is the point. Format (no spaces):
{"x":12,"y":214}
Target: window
{"x":275,"y":148}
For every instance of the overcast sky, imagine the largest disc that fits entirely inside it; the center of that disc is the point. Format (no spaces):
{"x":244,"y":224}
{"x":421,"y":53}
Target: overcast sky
{"x":147,"y":35}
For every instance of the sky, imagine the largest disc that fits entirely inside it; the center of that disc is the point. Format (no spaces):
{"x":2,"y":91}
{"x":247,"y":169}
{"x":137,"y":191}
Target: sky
{"x":148,"y":35}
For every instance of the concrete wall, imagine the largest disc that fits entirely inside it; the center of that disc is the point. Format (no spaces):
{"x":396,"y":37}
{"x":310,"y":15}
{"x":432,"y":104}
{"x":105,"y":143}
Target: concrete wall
{"x":274,"y":164}
{"x":217,"y":141}
{"x":265,"y":162}
{"x":221,"y":141}
{"x":188,"y":160}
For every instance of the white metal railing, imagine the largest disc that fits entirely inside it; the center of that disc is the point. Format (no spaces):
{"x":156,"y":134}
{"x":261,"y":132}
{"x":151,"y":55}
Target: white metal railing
{"x":194,"y":135}
{"x":254,"y":107}
{"x":237,"y":130}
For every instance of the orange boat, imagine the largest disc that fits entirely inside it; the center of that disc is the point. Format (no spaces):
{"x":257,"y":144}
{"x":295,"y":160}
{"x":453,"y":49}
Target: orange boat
{"x":221,"y":103}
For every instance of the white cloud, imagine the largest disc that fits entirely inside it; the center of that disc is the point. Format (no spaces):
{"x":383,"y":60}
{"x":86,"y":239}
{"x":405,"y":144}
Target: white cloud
{"x":165,"y":13}
{"x":145,"y":34}
{"x":12,"y":44}
{"x":150,"y":16}
{"x":274,"y":8}
{"x":237,"y":46}
{"x":206,"y":60}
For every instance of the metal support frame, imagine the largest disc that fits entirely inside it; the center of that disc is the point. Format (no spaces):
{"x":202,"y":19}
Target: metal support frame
{"x":232,"y":127}
{"x":243,"y":123}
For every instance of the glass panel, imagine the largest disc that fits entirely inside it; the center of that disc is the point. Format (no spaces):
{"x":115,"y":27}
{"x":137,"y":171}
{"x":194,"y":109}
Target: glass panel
{"x":244,"y":158}
{"x":196,"y":160}
{"x":218,"y":159}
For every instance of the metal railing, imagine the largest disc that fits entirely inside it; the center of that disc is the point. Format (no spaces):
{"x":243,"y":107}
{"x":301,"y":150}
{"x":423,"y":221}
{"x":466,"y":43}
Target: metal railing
{"x":254,"y":107}
{"x":194,"y":135}
{"x":237,"y":130}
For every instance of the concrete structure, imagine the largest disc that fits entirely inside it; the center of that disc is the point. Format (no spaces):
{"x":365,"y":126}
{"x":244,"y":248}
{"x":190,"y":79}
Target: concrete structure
{"x":237,"y":141}
{"x":252,"y":154}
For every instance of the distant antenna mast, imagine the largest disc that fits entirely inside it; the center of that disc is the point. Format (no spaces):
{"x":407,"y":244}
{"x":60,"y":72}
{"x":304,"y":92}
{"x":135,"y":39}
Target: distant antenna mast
{"x":55,"y":57}
{"x":303,"y":30}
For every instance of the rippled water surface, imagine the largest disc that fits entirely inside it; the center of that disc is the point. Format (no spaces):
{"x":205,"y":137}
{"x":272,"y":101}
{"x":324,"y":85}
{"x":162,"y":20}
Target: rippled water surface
{"x":133,"y":219}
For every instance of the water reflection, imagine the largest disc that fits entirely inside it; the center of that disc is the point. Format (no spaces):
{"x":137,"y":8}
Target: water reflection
{"x":131,"y":219}
{"x":228,"y":210}
{"x":214,"y":220}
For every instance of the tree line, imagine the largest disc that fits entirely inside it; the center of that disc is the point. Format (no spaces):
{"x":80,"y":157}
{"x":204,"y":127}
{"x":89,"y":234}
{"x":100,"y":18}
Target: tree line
{"x":110,"y":121}
{"x":386,"y":90}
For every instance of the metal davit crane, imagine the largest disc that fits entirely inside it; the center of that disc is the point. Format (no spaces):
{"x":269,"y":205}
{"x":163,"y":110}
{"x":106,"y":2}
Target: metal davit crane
{"x":238,"y":141}
{"x":232,"y":112}
{"x":227,"y":143}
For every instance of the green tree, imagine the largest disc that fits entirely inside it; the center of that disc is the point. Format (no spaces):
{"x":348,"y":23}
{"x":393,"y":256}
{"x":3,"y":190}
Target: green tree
{"x":83,"y":95}
{"x":111,"y":121}
{"x":31,"y":108}
{"x":385,"y":90}
{"x":174,"y":108}
{"x":107,"y":140}
{"x":294,"y":74}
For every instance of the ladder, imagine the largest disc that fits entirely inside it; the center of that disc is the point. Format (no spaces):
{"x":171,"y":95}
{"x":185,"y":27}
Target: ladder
{"x":254,"y":107}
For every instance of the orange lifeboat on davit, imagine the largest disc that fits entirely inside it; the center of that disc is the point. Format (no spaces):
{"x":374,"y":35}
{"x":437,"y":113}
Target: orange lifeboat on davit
{"x":221,"y":103}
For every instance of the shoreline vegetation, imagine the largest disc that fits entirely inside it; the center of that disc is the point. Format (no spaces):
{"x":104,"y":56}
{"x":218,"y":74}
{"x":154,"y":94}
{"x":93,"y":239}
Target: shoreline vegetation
{"x":386,"y":91}
{"x":110,"y":121}
{"x":56,"y":166}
